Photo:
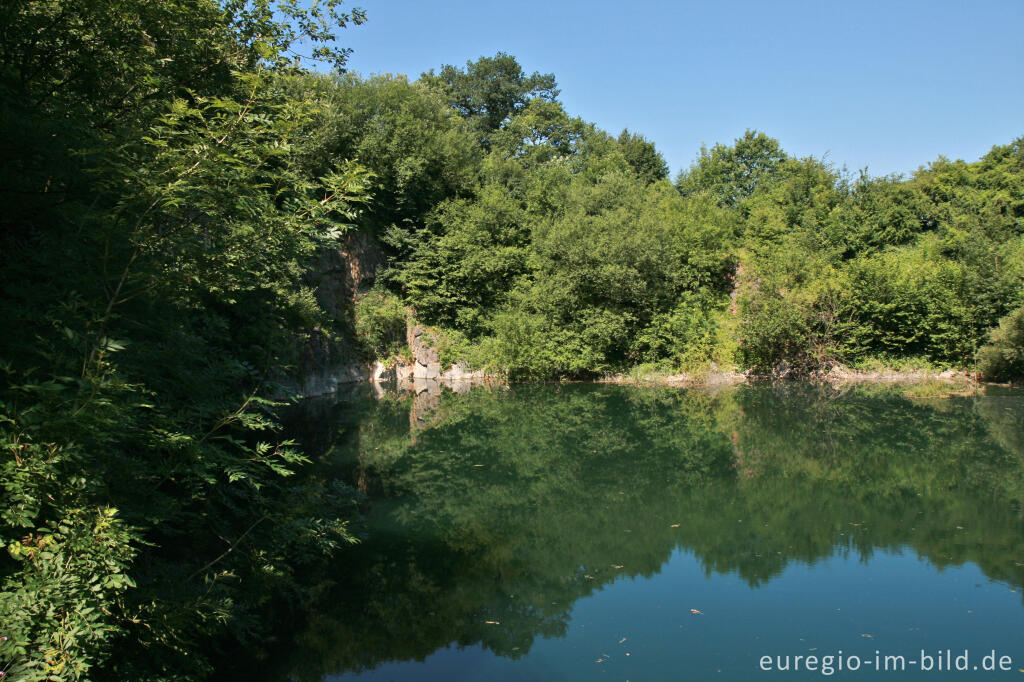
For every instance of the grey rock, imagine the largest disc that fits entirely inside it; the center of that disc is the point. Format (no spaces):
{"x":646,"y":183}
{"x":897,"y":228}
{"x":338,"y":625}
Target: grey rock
{"x":382,"y":373}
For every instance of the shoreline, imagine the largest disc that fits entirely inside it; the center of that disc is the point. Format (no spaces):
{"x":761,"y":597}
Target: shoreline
{"x":947,"y":382}
{"x":836,"y":376}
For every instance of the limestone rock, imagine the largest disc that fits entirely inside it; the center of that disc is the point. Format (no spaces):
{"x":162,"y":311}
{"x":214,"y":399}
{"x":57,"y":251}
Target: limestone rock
{"x":403,"y":373}
{"x":382,"y":373}
{"x":421,"y":343}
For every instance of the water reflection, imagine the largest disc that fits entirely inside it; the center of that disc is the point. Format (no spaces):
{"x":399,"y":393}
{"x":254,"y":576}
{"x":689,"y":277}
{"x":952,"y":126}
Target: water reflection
{"x":491,"y":514}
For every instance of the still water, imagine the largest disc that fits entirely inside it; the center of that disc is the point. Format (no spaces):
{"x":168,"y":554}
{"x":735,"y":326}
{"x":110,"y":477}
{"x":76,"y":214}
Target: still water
{"x":587,"y":532}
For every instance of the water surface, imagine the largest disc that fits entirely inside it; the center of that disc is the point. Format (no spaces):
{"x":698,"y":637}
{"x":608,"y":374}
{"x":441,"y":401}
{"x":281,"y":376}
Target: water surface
{"x":571,"y":532}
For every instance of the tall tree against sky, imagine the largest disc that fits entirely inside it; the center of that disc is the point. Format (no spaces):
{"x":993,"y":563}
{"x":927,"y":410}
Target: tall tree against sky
{"x":491,"y":90}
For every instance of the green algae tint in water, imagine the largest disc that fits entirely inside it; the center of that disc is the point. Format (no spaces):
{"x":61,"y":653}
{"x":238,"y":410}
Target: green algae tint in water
{"x":573,"y":532}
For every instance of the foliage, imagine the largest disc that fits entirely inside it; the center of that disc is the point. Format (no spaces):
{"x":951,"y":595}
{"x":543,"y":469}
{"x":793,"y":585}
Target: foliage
{"x":381,"y":323}
{"x":419,"y":151}
{"x":491,"y":90}
{"x":160,"y":222}
{"x":568,"y":259}
{"x":840,"y":271}
{"x":618,"y":257}
{"x":73,"y":571}
{"x":646,"y":161}
{"x":732,"y":174}
{"x":910,"y":302}
{"x":1002,"y":357}
{"x":682,"y":338}
{"x":467,"y":268}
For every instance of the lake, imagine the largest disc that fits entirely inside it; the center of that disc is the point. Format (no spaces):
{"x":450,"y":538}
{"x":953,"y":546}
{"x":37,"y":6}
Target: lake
{"x":598,"y":532}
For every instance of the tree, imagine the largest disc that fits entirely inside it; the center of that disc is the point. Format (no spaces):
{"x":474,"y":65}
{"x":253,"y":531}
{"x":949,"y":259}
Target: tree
{"x":643,"y":157}
{"x":1003,"y":357}
{"x":491,"y":90}
{"x":733,"y":174}
{"x":419,"y":151}
{"x":158,"y":219}
{"x":78,"y":77}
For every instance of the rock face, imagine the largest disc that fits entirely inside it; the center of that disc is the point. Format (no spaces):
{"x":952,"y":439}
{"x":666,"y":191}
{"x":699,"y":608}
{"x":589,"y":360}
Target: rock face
{"x":327,"y":361}
{"x":426,"y":368}
{"x":461,"y":373}
{"x":337,"y":276}
{"x":382,"y":373}
{"x":328,"y":379}
{"x":426,"y":359}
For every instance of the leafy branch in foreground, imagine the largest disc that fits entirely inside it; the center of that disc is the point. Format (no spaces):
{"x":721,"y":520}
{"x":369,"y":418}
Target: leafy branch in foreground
{"x":153,"y":260}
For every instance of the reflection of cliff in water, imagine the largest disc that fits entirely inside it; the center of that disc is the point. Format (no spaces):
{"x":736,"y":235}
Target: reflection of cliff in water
{"x":491,"y":513}
{"x":427,"y":395}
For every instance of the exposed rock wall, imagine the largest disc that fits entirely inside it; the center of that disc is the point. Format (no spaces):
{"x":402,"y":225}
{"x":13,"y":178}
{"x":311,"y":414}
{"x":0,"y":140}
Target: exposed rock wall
{"x":339,"y":275}
{"x":426,"y":357}
{"x":327,"y":360}
{"x":425,"y":368}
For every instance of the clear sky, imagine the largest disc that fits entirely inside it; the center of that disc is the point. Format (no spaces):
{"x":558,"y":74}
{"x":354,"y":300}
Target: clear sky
{"x":889,"y":85}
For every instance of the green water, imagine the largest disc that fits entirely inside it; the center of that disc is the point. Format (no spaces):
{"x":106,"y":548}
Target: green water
{"x":566,"y":533}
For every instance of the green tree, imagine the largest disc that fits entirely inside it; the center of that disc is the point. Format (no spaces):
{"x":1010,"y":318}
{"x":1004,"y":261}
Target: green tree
{"x":734,"y":173}
{"x":419,"y":151}
{"x":491,"y":90}
{"x":152,"y":260}
{"x":1002,"y":358}
{"x":643,"y":157}
{"x":615,"y":258}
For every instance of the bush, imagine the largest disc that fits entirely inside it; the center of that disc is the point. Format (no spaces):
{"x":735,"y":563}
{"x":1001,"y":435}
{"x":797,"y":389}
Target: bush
{"x":912,"y":302}
{"x":1003,"y":358}
{"x":774,"y":329}
{"x":529,"y":345}
{"x":682,"y":338}
{"x":56,"y":608}
{"x":381,"y":323}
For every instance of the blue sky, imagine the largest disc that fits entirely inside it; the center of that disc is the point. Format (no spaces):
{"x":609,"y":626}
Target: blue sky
{"x":887,"y":85}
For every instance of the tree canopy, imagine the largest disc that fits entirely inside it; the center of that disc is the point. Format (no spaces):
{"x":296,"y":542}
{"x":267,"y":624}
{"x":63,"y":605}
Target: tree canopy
{"x":491,"y":90}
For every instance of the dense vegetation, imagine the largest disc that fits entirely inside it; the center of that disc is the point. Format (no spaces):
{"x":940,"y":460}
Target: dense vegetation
{"x":543,"y":247}
{"x":159,"y":208}
{"x":170,"y":173}
{"x":581,"y":265}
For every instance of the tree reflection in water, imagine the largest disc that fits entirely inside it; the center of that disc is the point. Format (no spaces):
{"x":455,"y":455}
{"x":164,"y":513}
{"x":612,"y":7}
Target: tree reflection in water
{"x":490,"y":514}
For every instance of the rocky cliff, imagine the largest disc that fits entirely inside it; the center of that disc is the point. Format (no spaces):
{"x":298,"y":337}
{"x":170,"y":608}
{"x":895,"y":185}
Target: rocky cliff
{"x":332,"y":356}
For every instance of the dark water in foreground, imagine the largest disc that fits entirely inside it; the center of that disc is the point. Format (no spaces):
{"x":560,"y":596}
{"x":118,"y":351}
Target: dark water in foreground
{"x":570,"y":532}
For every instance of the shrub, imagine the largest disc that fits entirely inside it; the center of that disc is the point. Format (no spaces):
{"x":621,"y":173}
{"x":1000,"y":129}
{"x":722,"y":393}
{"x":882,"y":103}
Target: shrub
{"x":912,"y":302}
{"x":682,"y":338}
{"x":1003,"y":357}
{"x":380,"y":323}
{"x":774,"y":329}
